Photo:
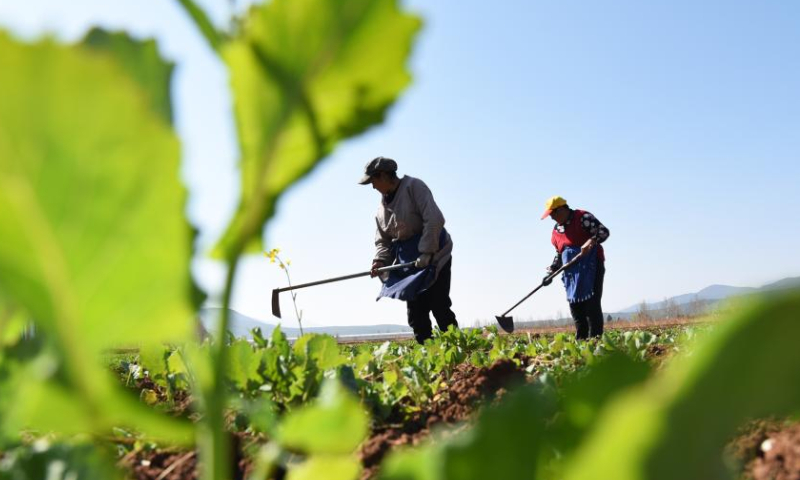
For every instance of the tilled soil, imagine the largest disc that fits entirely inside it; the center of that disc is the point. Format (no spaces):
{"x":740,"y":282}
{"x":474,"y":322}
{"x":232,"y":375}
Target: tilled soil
{"x":745,"y":447}
{"x":776,"y":452}
{"x":179,"y":406}
{"x":468,"y":388}
{"x":161,"y":465}
{"x":766,"y":449}
{"x":174,"y":464}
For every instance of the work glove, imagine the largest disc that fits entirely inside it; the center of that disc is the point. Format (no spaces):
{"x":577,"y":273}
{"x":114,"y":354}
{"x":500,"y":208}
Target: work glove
{"x":424,"y":260}
{"x":547,"y":280}
{"x":376,"y":264}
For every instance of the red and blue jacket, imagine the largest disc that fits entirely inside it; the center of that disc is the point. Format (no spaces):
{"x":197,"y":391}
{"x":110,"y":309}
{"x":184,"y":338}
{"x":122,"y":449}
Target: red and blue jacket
{"x":577,"y":230}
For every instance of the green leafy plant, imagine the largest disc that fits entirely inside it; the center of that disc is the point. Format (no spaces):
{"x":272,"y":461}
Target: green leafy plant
{"x":96,"y":247}
{"x":96,"y":252}
{"x":614,"y":420}
{"x":305,"y":75}
{"x":79,"y":202}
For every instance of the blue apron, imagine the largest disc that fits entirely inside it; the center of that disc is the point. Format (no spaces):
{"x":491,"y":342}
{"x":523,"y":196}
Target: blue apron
{"x":579,"y":278}
{"x":407,"y":283}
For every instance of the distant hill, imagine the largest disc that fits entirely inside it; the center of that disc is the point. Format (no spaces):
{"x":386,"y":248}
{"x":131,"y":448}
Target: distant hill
{"x":710,"y":293}
{"x":685,"y":304}
{"x":241,"y":325}
{"x":706,"y":298}
{"x":786,"y":283}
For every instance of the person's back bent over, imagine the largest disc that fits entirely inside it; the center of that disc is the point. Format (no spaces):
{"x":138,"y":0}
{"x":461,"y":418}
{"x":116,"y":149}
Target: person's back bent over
{"x":410,"y":227}
{"x":578,"y":231}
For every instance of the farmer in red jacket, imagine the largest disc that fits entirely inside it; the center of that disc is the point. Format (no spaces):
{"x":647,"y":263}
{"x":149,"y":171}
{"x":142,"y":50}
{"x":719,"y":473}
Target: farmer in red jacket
{"x":578,"y":231}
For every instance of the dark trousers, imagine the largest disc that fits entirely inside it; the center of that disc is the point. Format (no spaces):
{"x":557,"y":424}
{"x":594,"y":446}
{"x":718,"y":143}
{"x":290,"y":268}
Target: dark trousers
{"x":588,"y":315}
{"x":436,"y":299}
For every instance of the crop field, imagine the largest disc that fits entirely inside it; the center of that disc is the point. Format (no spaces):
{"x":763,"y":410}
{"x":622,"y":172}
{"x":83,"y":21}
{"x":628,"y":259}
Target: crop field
{"x":101,"y":376}
{"x":471,"y":399}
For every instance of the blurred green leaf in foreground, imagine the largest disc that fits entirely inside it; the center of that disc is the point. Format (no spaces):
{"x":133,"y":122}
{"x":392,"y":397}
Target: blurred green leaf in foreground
{"x":616,"y":422}
{"x":95,"y":245}
{"x":305,"y":75}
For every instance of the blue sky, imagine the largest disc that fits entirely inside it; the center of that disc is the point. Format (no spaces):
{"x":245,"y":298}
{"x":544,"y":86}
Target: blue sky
{"x":677,"y":123}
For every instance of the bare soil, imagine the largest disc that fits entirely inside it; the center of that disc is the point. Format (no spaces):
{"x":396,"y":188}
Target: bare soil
{"x":161,"y":465}
{"x":175,"y":464}
{"x":468,"y":389}
{"x":768,"y":450}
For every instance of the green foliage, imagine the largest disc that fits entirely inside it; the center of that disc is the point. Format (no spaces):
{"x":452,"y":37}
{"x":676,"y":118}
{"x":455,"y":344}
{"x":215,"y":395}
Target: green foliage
{"x":615,"y":420}
{"x":583,"y":396}
{"x":244,"y":365}
{"x":93,"y":201}
{"x":80,"y":199}
{"x":45,"y":460}
{"x":96,"y":251}
{"x":334,"y":424}
{"x":527,"y":431}
{"x":398,"y":379}
{"x":503,"y":443}
{"x":141,"y":62}
{"x":154,"y":359}
{"x":330,"y":467}
{"x":319,"y":349}
{"x":682,"y":419}
{"x":306,"y":74}
{"x":13,"y":323}
{"x":85,"y":259}
{"x":203,"y":23}
{"x":260,"y":415}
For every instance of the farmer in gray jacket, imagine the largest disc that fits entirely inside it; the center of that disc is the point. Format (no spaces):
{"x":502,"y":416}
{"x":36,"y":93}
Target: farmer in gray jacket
{"x":410,"y":227}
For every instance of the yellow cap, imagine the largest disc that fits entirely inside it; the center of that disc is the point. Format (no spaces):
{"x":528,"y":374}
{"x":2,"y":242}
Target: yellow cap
{"x":551,"y":204}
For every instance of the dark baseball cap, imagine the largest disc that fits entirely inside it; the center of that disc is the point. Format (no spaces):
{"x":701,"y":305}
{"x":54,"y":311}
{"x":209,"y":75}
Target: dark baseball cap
{"x":377,"y":164}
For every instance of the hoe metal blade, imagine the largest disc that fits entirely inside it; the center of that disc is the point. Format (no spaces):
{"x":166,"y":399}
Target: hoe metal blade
{"x":276,"y":304}
{"x":506,"y":323}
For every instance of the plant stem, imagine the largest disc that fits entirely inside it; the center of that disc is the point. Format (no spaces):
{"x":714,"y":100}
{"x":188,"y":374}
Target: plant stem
{"x":213,"y":442}
{"x":203,"y":23}
{"x":294,"y":295}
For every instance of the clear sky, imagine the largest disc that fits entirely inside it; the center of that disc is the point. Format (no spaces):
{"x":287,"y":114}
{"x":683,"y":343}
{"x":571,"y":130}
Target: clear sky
{"x":677,"y":123}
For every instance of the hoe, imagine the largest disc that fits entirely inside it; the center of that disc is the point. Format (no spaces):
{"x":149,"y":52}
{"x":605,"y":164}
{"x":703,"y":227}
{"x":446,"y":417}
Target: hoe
{"x":276,"y":305}
{"x":507,"y":323}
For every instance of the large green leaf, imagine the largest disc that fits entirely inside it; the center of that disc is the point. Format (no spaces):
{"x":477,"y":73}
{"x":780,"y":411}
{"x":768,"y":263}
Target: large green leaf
{"x":45,"y":404}
{"x":153,"y":358}
{"x":503,"y":430}
{"x":584,"y":394}
{"x":95,"y":246}
{"x":329,"y":467}
{"x":144,"y":64}
{"x":676,"y":426}
{"x":13,"y":323}
{"x":306,"y":74}
{"x":56,"y":462}
{"x":244,"y":364}
{"x":421,"y":463}
{"x":321,"y":349}
{"x":335,"y":423}
{"x":141,"y":60}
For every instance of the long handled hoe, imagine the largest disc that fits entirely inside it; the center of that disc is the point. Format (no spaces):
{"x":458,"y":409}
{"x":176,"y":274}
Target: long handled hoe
{"x":276,"y":305}
{"x":507,"y":323}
